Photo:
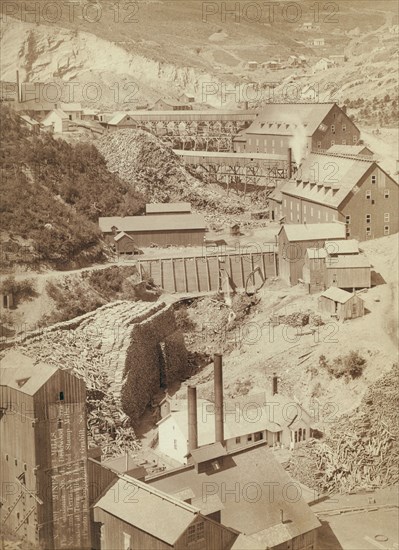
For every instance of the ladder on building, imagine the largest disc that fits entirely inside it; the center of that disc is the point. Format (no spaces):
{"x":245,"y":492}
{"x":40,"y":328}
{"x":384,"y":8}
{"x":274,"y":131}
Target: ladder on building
{"x":28,"y":513}
{"x":11,"y":508}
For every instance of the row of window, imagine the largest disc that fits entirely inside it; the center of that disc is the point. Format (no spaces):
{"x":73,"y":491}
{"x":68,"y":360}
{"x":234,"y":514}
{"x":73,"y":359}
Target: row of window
{"x":387,"y":217}
{"x":256,"y":437}
{"x":344,"y":142}
{"x":15,"y":462}
{"x":328,"y":216}
{"x":368,"y":193}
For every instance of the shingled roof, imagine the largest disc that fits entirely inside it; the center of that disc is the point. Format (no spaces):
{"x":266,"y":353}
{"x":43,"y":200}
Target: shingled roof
{"x":284,"y":119}
{"x":318,"y":184}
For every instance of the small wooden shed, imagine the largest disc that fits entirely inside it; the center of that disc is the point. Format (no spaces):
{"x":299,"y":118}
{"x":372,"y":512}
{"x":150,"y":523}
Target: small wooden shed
{"x":124,"y":244}
{"x":314,"y":269}
{"x":341,"y":304}
{"x":348,"y":271}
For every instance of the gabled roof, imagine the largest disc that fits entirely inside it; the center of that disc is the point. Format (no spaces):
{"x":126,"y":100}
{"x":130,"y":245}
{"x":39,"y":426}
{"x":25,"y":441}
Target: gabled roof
{"x":118,"y":117}
{"x":320,"y":185}
{"x":256,"y":467}
{"x":69,"y":107}
{"x":337,"y":294}
{"x":29,"y":120}
{"x":59,"y":113}
{"x":171,"y":102}
{"x":284,"y":119}
{"x":152,"y":223}
{"x":155,"y":208}
{"x":208,"y":452}
{"x":21,"y":373}
{"x":148,"y":509}
{"x":314,"y":231}
{"x":121,"y":235}
{"x":349,"y":261}
{"x":349,"y":246}
{"x":350,"y":150}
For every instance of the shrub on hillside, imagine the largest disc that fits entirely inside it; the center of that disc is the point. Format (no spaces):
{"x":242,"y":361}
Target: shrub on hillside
{"x":21,"y":291}
{"x":349,"y":366}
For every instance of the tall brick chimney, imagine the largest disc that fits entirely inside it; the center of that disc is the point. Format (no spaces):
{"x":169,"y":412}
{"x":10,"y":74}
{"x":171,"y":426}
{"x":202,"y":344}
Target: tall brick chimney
{"x":218,"y":381}
{"x":192,"y":418}
{"x":289,"y":163}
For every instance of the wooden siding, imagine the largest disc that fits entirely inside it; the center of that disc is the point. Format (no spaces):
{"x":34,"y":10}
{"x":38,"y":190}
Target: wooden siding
{"x":307,"y":541}
{"x":201,"y":274}
{"x":125,"y":246}
{"x":217,"y":536}
{"x":314,"y":274}
{"x":291,"y":257}
{"x":296,"y":210}
{"x":48,"y":435}
{"x":112,"y":531}
{"x":194,"y":237}
{"x":348,"y":277}
{"x":352,"y":309}
{"x":357,"y":206}
{"x":339,"y":119}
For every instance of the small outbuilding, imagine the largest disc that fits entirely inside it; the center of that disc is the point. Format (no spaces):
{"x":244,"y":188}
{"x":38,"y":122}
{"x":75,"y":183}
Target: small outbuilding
{"x":121,"y":120}
{"x":341,"y":304}
{"x":124,"y":244}
{"x":57,"y":120}
{"x":348,"y":271}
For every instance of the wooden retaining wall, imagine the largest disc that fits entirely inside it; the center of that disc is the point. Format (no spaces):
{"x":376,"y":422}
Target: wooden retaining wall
{"x":201,"y":274}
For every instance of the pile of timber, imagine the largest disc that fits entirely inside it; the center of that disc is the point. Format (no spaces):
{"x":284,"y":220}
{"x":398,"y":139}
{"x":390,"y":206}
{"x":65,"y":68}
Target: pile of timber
{"x":361,"y":451}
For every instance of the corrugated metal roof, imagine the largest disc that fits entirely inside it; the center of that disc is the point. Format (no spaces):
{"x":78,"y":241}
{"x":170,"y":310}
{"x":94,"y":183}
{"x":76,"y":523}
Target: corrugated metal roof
{"x":147,"y":509}
{"x":314,"y":231}
{"x":350,"y":246}
{"x":350,"y":261}
{"x":337,"y":294}
{"x":155,"y":208}
{"x":318,"y":183}
{"x":19,"y":372}
{"x":152,"y":223}
{"x":284,"y":119}
{"x":265,"y":479}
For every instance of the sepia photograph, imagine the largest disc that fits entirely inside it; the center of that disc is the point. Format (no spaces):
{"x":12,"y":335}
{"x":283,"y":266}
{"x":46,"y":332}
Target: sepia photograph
{"x":199,"y":218}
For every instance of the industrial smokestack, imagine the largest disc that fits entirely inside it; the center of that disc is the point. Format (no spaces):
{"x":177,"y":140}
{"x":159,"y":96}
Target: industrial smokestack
{"x":192,"y":418}
{"x":289,"y":163}
{"x":218,"y":380}
{"x":275,"y":384}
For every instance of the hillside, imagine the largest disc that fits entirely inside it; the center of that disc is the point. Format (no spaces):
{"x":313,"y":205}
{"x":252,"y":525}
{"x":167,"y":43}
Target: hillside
{"x":192,"y":44}
{"x":52,"y":195}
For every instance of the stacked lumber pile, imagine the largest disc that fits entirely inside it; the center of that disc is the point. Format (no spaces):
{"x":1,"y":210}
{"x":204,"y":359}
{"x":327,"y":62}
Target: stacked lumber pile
{"x":98,"y":348}
{"x":361,"y":451}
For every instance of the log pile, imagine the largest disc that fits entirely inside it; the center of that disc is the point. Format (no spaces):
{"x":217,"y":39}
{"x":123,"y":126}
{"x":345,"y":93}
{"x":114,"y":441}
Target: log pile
{"x":94,"y":347}
{"x":361,"y":451}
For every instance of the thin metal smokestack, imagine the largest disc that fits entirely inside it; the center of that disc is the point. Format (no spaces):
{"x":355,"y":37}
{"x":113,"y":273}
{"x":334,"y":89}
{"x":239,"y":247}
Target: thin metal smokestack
{"x":192,"y":418}
{"x":289,"y":163}
{"x":275,"y":384}
{"x":218,"y":380}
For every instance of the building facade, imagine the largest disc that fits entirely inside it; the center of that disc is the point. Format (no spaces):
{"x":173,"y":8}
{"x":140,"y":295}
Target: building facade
{"x":304,"y":127}
{"x":44,"y":454}
{"x":353,"y":190}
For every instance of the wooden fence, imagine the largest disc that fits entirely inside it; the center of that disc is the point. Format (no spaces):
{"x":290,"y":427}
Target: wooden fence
{"x":201,"y":273}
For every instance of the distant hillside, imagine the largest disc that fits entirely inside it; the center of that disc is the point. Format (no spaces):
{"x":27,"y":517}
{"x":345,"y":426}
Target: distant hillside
{"x":52,"y":195}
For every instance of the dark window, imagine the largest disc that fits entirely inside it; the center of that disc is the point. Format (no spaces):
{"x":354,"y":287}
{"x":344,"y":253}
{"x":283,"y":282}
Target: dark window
{"x":16,"y":462}
{"x":238,"y":439}
{"x":59,"y":424}
{"x":258,"y":436}
{"x":25,"y":467}
{"x":61,"y":396}
{"x":249,"y":438}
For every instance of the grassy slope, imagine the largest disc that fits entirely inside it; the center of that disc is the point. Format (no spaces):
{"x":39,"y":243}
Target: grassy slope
{"x":52,"y":195}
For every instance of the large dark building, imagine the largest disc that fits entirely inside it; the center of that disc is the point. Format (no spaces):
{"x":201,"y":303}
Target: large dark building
{"x":351,"y":189}
{"x":43,"y":436}
{"x":304,"y":127}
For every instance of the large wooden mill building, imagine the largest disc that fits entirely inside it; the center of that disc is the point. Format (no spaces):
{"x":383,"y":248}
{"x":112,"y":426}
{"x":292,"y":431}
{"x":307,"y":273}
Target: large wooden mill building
{"x":44,"y":481}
